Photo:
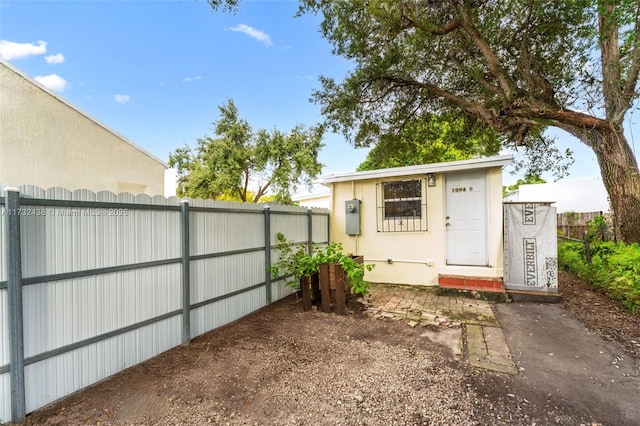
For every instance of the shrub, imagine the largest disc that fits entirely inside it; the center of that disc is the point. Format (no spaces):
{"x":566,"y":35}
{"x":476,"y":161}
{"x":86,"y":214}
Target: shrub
{"x":615,"y":268}
{"x":298,"y":263}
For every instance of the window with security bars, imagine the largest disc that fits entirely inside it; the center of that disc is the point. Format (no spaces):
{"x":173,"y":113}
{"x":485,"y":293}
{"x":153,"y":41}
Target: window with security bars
{"x":401,"y":206}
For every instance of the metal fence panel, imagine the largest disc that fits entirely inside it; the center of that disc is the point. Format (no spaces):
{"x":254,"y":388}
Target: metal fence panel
{"x":4,"y":315}
{"x":4,"y":328}
{"x":5,"y":390}
{"x":5,"y":400}
{"x":3,"y":241}
{"x":215,"y":277}
{"x":320,"y":226}
{"x":224,"y":311}
{"x":280,"y":290}
{"x":228,"y":246}
{"x":68,"y":238}
{"x":221,"y":231}
{"x":54,"y":378}
{"x":291,"y":222}
{"x":102,"y":280}
{"x":61,"y":313}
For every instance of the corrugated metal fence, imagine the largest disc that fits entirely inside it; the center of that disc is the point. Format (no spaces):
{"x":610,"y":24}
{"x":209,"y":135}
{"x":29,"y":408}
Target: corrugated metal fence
{"x":91,"y":284}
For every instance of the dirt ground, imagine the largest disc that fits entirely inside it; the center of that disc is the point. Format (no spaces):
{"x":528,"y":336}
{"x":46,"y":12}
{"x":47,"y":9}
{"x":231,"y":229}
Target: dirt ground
{"x":283,"y":366}
{"x":600,"y":313}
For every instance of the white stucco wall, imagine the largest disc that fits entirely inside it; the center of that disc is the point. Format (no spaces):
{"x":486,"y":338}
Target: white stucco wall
{"x":580,"y":196}
{"x":45,"y":141}
{"x":322,"y":201}
{"x":418,"y":257}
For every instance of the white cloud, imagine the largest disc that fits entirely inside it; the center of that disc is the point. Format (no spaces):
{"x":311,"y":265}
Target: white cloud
{"x":54,"y":59}
{"x":53,"y":82}
{"x":254,"y":33}
{"x":122,"y":99}
{"x":11,"y":50}
{"x":190,"y":79}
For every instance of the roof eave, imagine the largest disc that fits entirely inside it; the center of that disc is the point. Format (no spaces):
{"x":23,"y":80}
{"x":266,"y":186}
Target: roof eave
{"x":452,"y":166}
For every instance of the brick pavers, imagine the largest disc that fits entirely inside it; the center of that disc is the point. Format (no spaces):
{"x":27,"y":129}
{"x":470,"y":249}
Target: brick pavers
{"x":423,"y":306}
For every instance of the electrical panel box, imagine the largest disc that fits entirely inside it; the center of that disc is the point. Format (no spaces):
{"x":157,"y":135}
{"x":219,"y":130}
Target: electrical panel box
{"x":352,"y":212}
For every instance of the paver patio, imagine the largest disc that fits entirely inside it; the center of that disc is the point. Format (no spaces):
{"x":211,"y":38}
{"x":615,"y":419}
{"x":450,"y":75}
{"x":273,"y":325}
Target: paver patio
{"x":423,"y":306}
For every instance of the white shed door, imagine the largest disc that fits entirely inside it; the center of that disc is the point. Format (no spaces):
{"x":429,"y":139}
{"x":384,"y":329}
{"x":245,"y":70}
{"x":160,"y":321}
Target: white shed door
{"x":466,"y":218}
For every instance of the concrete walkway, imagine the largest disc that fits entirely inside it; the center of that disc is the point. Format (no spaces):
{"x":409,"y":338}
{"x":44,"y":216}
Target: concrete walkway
{"x":423,"y":307}
{"x":557,"y":356}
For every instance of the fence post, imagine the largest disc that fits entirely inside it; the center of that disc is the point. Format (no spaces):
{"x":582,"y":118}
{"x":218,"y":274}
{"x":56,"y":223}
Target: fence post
{"x":186,"y":278}
{"x":267,"y":251}
{"x":309,"y":231}
{"x":587,"y":249}
{"x":14,"y":287}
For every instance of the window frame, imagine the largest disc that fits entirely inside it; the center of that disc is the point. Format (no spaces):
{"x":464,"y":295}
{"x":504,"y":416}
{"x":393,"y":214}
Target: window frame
{"x":397,"y":219}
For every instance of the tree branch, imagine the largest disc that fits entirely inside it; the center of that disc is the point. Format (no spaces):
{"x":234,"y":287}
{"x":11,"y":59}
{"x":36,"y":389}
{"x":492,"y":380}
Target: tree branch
{"x":493,"y":62}
{"x":441,"y":30}
{"x":481,"y":80}
{"x":535,"y":80}
{"x":629,"y":91}
{"x":472,"y":108}
{"x":561,"y":117}
{"x":578,"y":132}
{"x":243,"y":196}
{"x":610,"y":58}
{"x":261,"y":191}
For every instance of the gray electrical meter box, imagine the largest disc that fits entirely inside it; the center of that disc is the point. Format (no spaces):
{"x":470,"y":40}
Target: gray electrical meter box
{"x":352,"y":212}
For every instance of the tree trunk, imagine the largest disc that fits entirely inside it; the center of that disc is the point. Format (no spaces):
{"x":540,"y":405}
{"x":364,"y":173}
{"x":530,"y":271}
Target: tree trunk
{"x":621,"y":177}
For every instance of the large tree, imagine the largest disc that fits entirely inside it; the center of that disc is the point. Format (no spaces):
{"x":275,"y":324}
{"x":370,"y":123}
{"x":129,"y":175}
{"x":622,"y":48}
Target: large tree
{"x":435,"y":139}
{"x":517,"y":66}
{"x":237,"y":159}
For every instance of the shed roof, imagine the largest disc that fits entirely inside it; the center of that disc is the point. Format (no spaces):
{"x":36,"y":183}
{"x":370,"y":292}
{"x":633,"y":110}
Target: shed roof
{"x":451,"y":166}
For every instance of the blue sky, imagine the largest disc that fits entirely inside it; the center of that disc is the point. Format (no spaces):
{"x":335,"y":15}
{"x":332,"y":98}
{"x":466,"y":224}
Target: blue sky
{"x":156,"y":71}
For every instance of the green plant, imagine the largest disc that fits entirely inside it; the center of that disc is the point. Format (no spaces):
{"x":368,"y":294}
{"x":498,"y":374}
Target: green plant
{"x":295,"y":262}
{"x":333,"y":253}
{"x":615,"y":268}
{"x":597,"y":229}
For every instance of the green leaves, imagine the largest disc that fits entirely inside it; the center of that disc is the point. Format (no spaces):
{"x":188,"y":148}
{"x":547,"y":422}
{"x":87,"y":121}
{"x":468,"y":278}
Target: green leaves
{"x":295,"y":262}
{"x":615,"y":268}
{"x":516,"y":66}
{"x":528,"y":180}
{"x":225,"y":5}
{"x":238,"y":163}
{"x":432,"y":140}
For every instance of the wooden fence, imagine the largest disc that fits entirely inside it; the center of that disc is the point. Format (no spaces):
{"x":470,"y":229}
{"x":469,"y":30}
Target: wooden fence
{"x":576,"y":225}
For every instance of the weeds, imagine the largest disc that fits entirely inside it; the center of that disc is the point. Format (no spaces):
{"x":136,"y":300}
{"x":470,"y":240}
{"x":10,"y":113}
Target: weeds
{"x":615,"y":268}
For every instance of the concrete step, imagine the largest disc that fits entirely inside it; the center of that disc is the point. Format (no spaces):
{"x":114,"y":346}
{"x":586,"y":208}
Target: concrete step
{"x":533,"y":296}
